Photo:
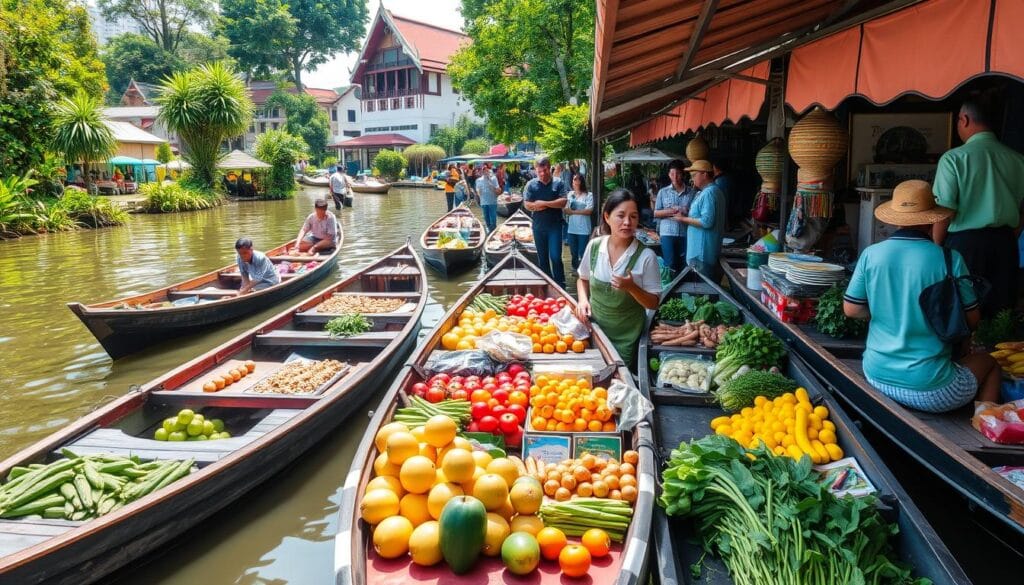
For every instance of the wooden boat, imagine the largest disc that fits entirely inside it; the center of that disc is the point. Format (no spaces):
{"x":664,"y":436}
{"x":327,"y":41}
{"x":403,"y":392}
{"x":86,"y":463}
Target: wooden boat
{"x":449,"y":261}
{"x":509,"y":204}
{"x":680,"y":417}
{"x":497,"y":247}
{"x":318,"y":181}
{"x":370,"y":185}
{"x":414,"y":184}
{"x":129,"y":324}
{"x":354,"y":559}
{"x":945,"y":443}
{"x":269,"y":429}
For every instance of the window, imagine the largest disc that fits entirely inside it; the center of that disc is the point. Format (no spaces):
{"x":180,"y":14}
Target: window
{"x":276,"y":113}
{"x":396,"y":104}
{"x":382,"y":105}
{"x":370,"y":105}
{"x":334,"y":115}
{"x":252,"y":128}
{"x":351,"y":133}
{"x":433,"y":129}
{"x":434,"y":83}
{"x":410,"y":102}
{"x":263,"y":127}
{"x":351,"y":115}
{"x":274,"y":125}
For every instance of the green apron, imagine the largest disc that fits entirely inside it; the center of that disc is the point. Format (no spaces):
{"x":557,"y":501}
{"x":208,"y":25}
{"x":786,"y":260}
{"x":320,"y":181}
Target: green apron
{"x":620,"y":316}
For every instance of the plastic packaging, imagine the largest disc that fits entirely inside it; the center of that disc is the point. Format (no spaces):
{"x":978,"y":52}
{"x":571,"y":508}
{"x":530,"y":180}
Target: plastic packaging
{"x":1000,"y":423}
{"x":566,"y":323}
{"x":505,"y":346}
{"x":685,"y":373}
{"x":469,"y":362}
{"x":633,"y":407}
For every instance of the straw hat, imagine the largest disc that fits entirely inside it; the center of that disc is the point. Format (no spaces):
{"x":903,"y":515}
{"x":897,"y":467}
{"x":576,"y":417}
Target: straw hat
{"x":700,"y":165}
{"x":912,"y":204}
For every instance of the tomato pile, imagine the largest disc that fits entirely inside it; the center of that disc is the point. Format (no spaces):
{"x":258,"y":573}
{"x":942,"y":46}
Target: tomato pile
{"x":530,"y":306}
{"x":525,"y":315}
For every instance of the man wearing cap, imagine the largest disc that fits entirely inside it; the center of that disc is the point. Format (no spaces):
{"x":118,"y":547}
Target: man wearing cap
{"x":545,"y":196}
{"x":671,"y":205}
{"x":982,"y":182}
{"x":319,"y":232}
{"x":904,"y":358}
{"x":705,"y":222}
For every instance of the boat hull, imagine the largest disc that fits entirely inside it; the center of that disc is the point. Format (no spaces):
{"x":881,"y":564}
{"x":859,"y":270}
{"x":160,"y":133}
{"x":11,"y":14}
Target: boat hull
{"x":376,"y":189}
{"x":450,"y":262}
{"x":507,"y":209}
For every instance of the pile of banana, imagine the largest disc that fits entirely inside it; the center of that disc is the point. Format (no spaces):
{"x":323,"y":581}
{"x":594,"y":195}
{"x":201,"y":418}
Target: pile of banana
{"x":1010,"y":355}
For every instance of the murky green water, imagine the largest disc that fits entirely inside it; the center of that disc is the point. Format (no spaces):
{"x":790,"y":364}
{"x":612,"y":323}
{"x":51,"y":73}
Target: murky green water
{"x":53,"y":371}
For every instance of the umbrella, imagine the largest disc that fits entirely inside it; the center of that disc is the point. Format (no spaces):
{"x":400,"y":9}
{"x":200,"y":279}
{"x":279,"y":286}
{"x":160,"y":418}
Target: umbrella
{"x":149,"y":162}
{"x":647,"y":154}
{"x":499,"y":149}
{"x":124,"y":160}
{"x":241,"y":161}
{"x":177,"y":165}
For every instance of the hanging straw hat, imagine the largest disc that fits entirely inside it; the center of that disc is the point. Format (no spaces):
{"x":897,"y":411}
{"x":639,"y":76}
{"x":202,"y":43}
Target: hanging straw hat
{"x":912,"y":204}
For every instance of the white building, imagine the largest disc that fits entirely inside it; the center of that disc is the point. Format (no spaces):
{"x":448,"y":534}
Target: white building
{"x":405,"y":88}
{"x":104,"y":28}
{"x":346,"y":115}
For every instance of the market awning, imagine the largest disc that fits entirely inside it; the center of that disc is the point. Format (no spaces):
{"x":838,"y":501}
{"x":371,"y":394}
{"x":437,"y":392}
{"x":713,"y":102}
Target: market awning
{"x":375,"y":141}
{"x":930,"y":49}
{"x":124,"y":160}
{"x":647,"y":154}
{"x":238,"y":160}
{"x":652,"y":55}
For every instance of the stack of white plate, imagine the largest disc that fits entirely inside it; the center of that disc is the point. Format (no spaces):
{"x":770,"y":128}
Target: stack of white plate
{"x":781,"y":261}
{"x":815,"y":273}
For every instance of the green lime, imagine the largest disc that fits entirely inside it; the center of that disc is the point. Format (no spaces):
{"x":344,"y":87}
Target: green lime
{"x":208,"y":428}
{"x":170,"y":423}
{"x":161,"y":434}
{"x":185,"y":416}
{"x":176,"y":436}
{"x":195,"y":428}
{"x":202,"y":438}
{"x":218,"y":425}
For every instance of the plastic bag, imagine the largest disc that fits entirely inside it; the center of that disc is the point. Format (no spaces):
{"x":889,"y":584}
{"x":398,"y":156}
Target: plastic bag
{"x":633,"y":407}
{"x":505,"y":346}
{"x":1000,"y":423}
{"x":685,"y":373}
{"x":469,"y":362}
{"x":566,"y":323}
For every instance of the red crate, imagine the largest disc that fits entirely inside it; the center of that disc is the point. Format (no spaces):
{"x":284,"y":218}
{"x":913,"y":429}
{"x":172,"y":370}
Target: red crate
{"x":788,"y":309}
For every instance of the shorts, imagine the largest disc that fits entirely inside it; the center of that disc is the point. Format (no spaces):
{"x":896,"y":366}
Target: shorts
{"x":961,"y":390}
{"x":312,"y":239}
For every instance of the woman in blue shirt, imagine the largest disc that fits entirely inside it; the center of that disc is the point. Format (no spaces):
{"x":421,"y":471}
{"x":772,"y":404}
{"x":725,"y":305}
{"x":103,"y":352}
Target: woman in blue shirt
{"x":578,"y":211}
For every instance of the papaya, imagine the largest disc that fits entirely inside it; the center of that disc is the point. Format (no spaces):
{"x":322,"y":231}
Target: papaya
{"x":463,"y":530}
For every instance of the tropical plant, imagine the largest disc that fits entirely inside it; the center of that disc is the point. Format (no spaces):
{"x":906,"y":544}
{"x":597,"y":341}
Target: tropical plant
{"x":422,"y":156}
{"x":475,"y":146}
{"x":565,"y":134}
{"x":389,"y":163}
{"x":16,"y":210}
{"x":205,"y":106}
{"x":280,"y":149}
{"x":49,"y":174}
{"x":171,"y":197}
{"x":90,"y":210}
{"x":80,"y":132}
{"x":305,"y":119}
{"x":163,"y":153}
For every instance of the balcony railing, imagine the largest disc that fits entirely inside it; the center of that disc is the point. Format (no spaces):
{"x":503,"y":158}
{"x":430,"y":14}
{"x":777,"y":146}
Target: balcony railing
{"x":403,"y":62}
{"x":391,"y":93}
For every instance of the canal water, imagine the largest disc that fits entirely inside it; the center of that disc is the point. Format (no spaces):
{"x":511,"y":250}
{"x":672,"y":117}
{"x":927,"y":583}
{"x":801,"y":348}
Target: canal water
{"x":52,"y":370}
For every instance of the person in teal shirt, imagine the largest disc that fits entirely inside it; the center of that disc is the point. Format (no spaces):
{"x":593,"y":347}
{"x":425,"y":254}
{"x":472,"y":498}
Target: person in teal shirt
{"x":904,"y":358}
{"x":705,"y":222}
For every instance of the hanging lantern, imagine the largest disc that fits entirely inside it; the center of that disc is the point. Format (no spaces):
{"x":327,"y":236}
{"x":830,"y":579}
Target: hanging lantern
{"x":697,"y":149}
{"x":769,"y":161}
{"x":816,"y":143}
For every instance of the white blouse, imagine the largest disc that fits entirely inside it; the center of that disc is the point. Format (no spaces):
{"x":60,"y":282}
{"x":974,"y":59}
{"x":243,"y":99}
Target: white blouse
{"x":646,"y":272}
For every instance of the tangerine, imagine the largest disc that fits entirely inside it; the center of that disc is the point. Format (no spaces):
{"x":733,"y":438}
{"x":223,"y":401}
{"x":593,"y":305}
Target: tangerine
{"x":574,"y":560}
{"x":578,"y":346}
{"x":597,"y":542}
{"x":551,"y":541}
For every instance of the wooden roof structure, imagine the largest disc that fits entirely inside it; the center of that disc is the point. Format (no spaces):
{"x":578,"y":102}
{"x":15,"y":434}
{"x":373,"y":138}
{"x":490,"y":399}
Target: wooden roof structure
{"x":651,"y":55}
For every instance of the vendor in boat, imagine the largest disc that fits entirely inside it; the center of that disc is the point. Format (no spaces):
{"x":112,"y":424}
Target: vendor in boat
{"x":619,"y":278}
{"x":320,"y":231}
{"x":904,"y":358}
{"x":257,"y":271}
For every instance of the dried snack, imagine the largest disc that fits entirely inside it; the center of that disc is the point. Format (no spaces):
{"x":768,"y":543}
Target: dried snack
{"x":350,"y":304}
{"x":300,"y":377}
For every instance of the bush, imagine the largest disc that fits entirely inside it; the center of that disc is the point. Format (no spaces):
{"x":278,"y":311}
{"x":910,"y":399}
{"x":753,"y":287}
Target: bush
{"x":476,"y":146}
{"x":329,"y":161}
{"x":565,"y":133}
{"x":163,"y":153}
{"x":171,"y":197}
{"x":311,"y":170}
{"x":89,"y":210}
{"x":280,"y":149}
{"x":389,"y":163}
{"x":18,"y":214}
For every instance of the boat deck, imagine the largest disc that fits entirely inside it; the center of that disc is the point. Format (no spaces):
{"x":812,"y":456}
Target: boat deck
{"x":16,"y":535}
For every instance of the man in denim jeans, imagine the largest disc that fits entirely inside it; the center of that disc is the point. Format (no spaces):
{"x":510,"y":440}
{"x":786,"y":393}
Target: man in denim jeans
{"x":545,"y":196}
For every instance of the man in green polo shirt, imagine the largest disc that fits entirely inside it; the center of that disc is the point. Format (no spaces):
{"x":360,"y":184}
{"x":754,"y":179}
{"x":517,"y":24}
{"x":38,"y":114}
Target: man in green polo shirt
{"x":983,"y":182}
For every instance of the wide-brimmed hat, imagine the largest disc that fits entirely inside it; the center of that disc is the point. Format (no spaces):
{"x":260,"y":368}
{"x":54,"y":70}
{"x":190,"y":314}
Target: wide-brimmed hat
{"x":913,"y":203}
{"x":700,"y":165}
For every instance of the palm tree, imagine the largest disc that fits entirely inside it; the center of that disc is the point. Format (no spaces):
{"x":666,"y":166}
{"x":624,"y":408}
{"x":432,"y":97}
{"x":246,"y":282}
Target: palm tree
{"x":205,"y":106}
{"x":80,"y":133}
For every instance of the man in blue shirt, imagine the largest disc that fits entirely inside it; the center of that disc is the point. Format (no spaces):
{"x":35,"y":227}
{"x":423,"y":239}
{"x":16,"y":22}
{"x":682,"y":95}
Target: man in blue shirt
{"x":670,"y":206}
{"x":487,"y":190}
{"x":257,"y":271}
{"x":545,"y":196}
{"x":706,"y":221}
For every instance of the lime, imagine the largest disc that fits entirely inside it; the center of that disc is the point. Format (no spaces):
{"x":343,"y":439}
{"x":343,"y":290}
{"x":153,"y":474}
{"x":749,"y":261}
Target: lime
{"x":170,"y":423}
{"x":218,"y":425}
{"x":208,"y":428}
{"x":225,"y":435}
{"x":161,"y":434}
{"x":198,"y":417}
{"x":202,"y":438}
{"x":176,"y":436}
{"x":185,"y":416}
{"x":195,"y":428}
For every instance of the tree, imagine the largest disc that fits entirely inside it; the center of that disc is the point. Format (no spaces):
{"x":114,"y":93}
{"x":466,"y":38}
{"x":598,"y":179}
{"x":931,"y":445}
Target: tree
{"x":80,"y":133}
{"x":422,"y":156}
{"x":475,"y":146}
{"x":305,"y":119}
{"x":291,"y":36}
{"x":163,"y":153}
{"x":205,"y":106}
{"x":281,"y":150}
{"x":528,"y":58}
{"x":132,"y":56}
{"x":389,"y":163}
{"x":565,"y":134}
{"x":167,"y":22}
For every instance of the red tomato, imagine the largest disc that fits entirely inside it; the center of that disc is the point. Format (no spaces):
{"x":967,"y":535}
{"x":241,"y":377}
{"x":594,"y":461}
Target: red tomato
{"x":457,"y":380}
{"x":517,"y":298}
{"x":507,"y":387}
{"x":459,"y":394}
{"x":529,"y":296}
{"x":420,"y":389}
{"x":472,"y":379}
{"x":524,"y":387}
{"x":490,"y":387}
{"x":508,"y":423}
{"x":504,"y":377}
{"x":470,"y":385}
{"x":488,"y":424}
{"x":442,"y":377}
{"x":488,"y":380}
{"x":501,"y":395}
{"x":514,"y":438}
{"x":498,"y":409}
{"x":473,"y":427}
{"x":435,"y":394}
{"x":522,"y":376}
{"x":453,"y":385}
{"x":519,"y":411}
{"x":515,"y":369}
{"x":480,"y":410}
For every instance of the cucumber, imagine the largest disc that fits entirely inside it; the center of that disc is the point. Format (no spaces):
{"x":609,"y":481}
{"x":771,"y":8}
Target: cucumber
{"x":44,"y":485}
{"x":54,"y":512}
{"x":35,"y":506}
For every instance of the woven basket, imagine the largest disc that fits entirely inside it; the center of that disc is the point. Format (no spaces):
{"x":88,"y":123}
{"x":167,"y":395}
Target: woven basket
{"x":817,"y":143}
{"x":769,"y":161}
{"x":697,"y":149}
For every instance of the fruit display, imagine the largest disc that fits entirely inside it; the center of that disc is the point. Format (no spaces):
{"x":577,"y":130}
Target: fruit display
{"x":588,"y":476}
{"x":420,"y":411}
{"x":569,"y":405}
{"x":84,"y":487}
{"x":529,"y":306}
{"x":300,"y":377}
{"x":788,"y":425}
{"x":221,"y":380}
{"x":190,"y":426}
{"x":361,"y":304}
{"x":484,"y":301}
{"x":544,"y":335}
{"x":1010,"y":355}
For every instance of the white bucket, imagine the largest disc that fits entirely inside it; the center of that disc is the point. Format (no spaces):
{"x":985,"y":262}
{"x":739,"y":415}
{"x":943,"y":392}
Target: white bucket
{"x":754,"y":278}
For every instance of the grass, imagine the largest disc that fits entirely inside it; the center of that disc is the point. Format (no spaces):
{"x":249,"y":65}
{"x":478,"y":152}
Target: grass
{"x":172,"y":197}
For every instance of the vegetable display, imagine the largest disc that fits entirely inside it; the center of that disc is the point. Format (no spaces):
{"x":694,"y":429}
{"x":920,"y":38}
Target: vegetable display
{"x":420,"y":411}
{"x":689,"y":334}
{"x":84,"y":487}
{"x":362,"y":304}
{"x":348,"y":325}
{"x":747,"y":345}
{"x":699,"y":308}
{"x":772,"y":522}
{"x":484,"y":301}
{"x":831,"y":320}
{"x":577,"y":516}
{"x":741,"y":391}
{"x":682,"y":372}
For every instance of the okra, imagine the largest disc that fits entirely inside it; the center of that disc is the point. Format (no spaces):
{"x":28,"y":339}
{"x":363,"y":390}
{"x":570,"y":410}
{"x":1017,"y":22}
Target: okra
{"x":149,"y":484}
{"x":13,"y":488}
{"x":39,"y":488}
{"x":183,"y":469}
{"x":54,"y":512}
{"x":17,"y":471}
{"x":92,"y":476}
{"x":79,"y":515}
{"x":35,"y":506}
{"x":84,"y":490}
{"x":115,"y":466}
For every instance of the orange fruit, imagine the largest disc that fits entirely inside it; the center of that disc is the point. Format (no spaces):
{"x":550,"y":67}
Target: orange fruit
{"x":449,"y":341}
{"x":561,"y":347}
{"x":548,"y":348}
{"x":209,"y":387}
{"x":595,"y":426}
{"x":551,"y":541}
{"x":574,"y":560}
{"x":235,"y":375}
{"x":250,"y":366}
{"x":568,"y":339}
{"x":597,"y":542}
{"x":608,"y":427}
{"x":538,"y":348}
{"x":219,"y":382}
{"x":519,"y":398}
{"x":578,"y":346}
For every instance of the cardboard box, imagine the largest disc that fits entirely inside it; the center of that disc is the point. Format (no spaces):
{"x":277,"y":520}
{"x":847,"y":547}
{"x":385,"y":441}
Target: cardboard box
{"x":788,"y":309}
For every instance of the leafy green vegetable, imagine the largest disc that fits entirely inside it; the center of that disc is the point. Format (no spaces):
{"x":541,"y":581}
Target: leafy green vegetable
{"x":655,"y":364}
{"x":347,"y":325}
{"x":675,"y":310}
{"x":747,"y":345}
{"x":771,"y":520}
{"x":1002,"y":327}
{"x":831,"y":320}
{"x":699,"y":308}
{"x":740,"y":392}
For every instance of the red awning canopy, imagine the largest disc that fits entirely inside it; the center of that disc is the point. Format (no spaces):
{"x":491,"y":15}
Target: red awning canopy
{"x":375,"y":141}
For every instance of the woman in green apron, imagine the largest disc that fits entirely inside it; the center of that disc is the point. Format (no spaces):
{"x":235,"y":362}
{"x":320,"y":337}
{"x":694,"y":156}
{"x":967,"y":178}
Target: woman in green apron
{"x":619,"y":278}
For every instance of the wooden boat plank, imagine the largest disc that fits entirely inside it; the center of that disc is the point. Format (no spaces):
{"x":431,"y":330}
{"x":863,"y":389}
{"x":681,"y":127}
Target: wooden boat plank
{"x":404,"y":295}
{"x":316,"y":318}
{"x":322,"y":339}
{"x":399,"y":270}
{"x":209,"y":293}
{"x":283,"y":258}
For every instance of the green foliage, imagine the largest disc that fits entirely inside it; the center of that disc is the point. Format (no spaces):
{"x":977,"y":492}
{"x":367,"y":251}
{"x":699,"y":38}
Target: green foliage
{"x":389,"y":163}
{"x":90,"y":210}
{"x":305,"y":119}
{"x":280,"y":149}
{"x":479,"y":146}
{"x":171,"y":197}
{"x":163,"y":153}
{"x":17,"y":213}
{"x":831,"y":320}
{"x":205,"y":106}
{"x":291,"y":36}
{"x":165,"y":22}
{"x":740,"y":392}
{"x":422,"y":156}
{"x":452,"y":138}
{"x":528,"y":58}
{"x":79,"y":131}
{"x":49,"y":174}
{"x":329,"y":161}
{"x":1004,"y":326}
{"x":747,"y":345}
{"x":133,"y":56}
{"x":565,"y":133}
{"x":311,"y":170}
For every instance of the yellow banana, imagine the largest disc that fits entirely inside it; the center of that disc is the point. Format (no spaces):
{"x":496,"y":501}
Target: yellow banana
{"x":1011,"y":345}
{"x":1002,"y":353}
{"x":1017,"y":357}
